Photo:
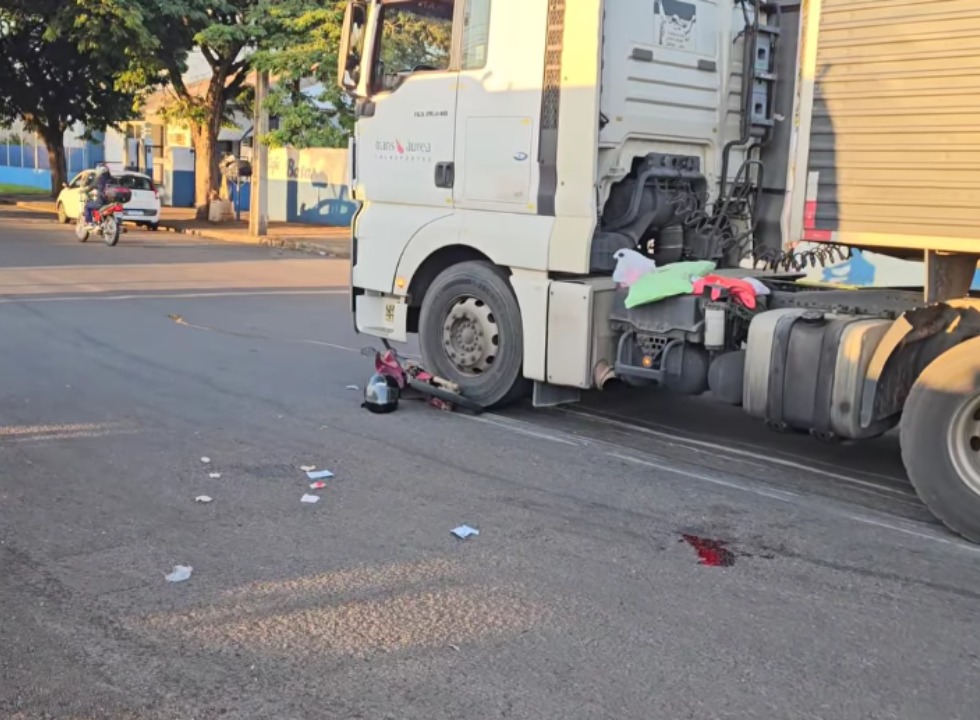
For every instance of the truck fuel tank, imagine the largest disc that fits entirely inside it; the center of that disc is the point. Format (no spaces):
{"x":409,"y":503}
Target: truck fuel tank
{"x":805,"y":369}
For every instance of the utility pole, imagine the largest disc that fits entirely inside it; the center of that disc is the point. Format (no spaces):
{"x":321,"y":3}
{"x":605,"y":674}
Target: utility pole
{"x":258,"y":215}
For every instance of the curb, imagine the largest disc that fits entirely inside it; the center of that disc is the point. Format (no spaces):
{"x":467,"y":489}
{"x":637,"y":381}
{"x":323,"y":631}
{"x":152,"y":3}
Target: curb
{"x":333,"y":249}
{"x":339,"y":248}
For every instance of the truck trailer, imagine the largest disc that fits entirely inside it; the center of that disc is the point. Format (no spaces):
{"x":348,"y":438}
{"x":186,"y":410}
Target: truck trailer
{"x":508,"y":152}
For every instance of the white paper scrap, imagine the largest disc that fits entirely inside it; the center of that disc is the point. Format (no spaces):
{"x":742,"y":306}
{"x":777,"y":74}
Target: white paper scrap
{"x":180,"y":573}
{"x":311,"y":499}
{"x":465,"y":531}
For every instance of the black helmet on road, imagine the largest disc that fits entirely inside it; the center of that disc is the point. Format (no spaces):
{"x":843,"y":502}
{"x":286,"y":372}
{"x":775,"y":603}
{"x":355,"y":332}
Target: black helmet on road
{"x":381,"y":394}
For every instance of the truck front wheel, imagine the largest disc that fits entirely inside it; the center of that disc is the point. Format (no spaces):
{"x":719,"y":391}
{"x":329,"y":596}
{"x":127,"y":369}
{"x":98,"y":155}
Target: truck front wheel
{"x":470,"y":332}
{"x":940,"y":438}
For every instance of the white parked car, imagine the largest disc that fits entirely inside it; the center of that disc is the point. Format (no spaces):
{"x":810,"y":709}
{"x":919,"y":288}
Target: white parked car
{"x":142,"y":209}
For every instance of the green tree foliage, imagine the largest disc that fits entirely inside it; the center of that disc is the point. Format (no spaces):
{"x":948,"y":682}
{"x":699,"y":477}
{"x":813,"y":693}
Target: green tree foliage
{"x":412,"y":38}
{"x":225,"y":31}
{"x":66,"y":63}
{"x":299,"y":50}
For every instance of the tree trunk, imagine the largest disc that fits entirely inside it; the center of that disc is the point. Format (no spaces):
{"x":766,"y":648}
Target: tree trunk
{"x":206,"y":175}
{"x":55,"y":143}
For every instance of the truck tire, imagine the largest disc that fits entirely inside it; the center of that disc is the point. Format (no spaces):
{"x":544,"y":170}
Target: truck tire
{"x":470,"y":332}
{"x":940,"y":438}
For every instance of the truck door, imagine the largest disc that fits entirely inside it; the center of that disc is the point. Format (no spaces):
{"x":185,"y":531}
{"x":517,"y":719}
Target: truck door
{"x":406,"y":132}
{"x":495,"y":120}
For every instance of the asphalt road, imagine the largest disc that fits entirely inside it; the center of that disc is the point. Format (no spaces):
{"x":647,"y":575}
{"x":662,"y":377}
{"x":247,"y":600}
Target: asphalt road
{"x":835,"y":595}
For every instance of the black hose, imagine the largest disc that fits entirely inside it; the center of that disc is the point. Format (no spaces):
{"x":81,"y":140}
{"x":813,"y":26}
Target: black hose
{"x":748,"y":65}
{"x":634,"y":206}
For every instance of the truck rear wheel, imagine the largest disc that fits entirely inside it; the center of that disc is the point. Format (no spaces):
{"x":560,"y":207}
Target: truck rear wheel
{"x":940,"y":438}
{"x":470,"y":332}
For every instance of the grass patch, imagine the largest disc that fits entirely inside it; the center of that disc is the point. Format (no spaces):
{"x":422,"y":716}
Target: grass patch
{"x":6,"y":189}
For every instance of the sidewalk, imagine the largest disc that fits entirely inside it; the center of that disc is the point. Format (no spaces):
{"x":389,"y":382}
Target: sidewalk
{"x":322,"y":239}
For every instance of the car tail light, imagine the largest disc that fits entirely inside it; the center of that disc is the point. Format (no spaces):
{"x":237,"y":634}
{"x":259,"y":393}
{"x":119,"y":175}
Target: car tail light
{"x":153,"y":187}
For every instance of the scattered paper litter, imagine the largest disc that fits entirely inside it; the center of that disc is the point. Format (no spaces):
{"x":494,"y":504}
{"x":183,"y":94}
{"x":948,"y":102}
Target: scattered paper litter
{"x":319,"y":474}
{"x":214,"y":476}
{"x":353,"y":387}
{"x":205,"y":460}
{"x":465,"y":531}
{"x":307,"y":468}
{"x":180,"y":573}
{"x":311,"y":499}
{"x":318,"y":485}
{"x":203,"y":499}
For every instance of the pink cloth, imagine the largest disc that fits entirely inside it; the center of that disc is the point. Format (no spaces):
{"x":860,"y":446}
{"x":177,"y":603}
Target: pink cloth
{"x":742,"y":291}
{"x":387,"y":364}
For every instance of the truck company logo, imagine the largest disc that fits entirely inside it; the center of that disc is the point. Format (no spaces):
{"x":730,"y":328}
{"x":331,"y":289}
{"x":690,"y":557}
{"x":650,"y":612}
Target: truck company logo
{"x":674,"y":23}
{"x":396,"y":150}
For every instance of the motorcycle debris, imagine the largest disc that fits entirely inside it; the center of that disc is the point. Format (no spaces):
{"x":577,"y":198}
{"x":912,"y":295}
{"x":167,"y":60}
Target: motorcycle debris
{"x":204,"y":499}
{"x":319,"y":474}
{"x":180,"y":573}
{"x":310,"y":499}
{"x":318,"y":485}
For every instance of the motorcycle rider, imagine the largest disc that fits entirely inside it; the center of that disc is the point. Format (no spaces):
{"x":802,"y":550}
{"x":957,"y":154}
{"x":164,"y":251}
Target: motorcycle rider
{"x":96,"y":187}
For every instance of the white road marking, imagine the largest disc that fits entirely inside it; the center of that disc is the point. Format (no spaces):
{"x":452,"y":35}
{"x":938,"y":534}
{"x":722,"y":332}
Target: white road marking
{"x":41,"y":439}
{"x":914,"y":533}
{"x":665,"y":465}
{"x":254,"y":336}
{"x":72,"y":431}
{"x":521,"y":428}
{"x":8,"y":431}
{"x":716,"y":448}
{"x":167,"y":296}
{"x":782,"y":495}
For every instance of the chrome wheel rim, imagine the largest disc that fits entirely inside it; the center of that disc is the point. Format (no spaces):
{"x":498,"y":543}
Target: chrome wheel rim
{"x":963,"y":442}
{"x":470,"y":336}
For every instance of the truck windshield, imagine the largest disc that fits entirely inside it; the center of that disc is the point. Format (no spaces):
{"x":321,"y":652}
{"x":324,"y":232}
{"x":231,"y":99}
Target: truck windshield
{"x":417,"y":36}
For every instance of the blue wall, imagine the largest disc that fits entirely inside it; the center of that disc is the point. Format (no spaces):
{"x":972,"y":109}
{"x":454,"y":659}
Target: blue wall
{"x":310,"y":202}
{"x":303,"y":202}
{"x":181,"y":186}
{"x":25,"y":177}
{"x":17,"y":163}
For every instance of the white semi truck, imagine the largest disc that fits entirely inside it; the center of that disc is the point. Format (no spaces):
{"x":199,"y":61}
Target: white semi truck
{"x":505,"y":150}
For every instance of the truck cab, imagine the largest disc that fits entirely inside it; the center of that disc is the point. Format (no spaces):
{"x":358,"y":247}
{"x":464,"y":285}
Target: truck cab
{"x":507,"y":153}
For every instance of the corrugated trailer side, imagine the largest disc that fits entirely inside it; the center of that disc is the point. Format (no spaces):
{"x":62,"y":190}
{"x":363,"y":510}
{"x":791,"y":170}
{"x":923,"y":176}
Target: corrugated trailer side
{"x":887,"y":122}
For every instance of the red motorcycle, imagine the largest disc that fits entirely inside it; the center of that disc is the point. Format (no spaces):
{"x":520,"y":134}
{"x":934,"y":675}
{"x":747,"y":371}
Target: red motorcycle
{"x":106,"y":220}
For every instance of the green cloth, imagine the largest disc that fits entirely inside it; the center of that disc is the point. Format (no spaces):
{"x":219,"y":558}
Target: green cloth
{"x":669,"y":281}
